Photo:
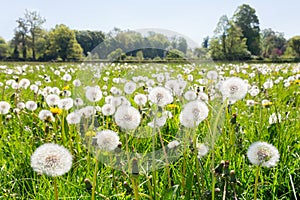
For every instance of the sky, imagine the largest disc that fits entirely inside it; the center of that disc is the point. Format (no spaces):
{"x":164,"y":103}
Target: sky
{"x":194,"y":19}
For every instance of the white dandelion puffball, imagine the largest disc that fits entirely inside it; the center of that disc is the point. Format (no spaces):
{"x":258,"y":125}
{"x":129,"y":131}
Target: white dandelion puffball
{"x":263,"y":154}
{"x":234,"y":88}
{"x":24,"y":83}
{"x":4,"y":107}
{"x":65,"y":104}
{"x":51,"y":159}
{"x":212,"y":75}
{"x":73,"y":118}
{"x":108,"y":109}
{"x":202,"y":149}
{"x":93,"y":94}
{"x":46,"y":115}
{"x":31,"y":105}
{"x":275,"y":118}
{"x":159,"y":122}
{"x":67,"y":77}
{"x":127,"y":117}
{"x":190,"y":95}
{"x":193,"y":113}
{"x":52,"y":99}
{"x":160,"y":96}
{"x":173,"y":144}
{"x":129,"y":87}
{"x":107,"y":140}
{"x":140,"y":99}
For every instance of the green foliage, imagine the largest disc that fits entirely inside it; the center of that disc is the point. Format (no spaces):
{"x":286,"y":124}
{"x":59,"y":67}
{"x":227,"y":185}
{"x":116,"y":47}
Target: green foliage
{"x":22,"y":132}
{"x":4,"y":49}
{"x":245,"y":17}
{"x":175,"y":54}
{"x":88,"y":40}
{"x":294,"y":46}
{"x":228,"y":43}
{"x":63,"y":44}
{"x":28,"y":31}
{"x":273,"y":44}
{"x":115,"y":55}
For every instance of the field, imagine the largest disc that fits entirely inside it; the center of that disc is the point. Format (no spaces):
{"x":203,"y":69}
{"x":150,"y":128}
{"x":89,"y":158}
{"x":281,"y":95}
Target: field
{"x":149,"y":131}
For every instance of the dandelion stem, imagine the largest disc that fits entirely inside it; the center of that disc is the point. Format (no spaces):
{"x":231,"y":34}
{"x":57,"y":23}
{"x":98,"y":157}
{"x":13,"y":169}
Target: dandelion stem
{"x":135,"y":188}
{"x":55,"y":188}
{"x":166,"y":158}
{"x":256,"y":182}
{"x":213,"y":133}
{"x":95,"y":178}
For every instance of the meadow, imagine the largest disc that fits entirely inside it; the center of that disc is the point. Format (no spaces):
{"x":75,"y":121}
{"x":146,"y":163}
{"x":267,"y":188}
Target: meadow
{"x":149,"y":131}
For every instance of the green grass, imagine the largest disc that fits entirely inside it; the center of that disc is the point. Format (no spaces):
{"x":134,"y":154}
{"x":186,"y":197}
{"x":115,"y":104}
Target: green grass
{"x":190,"y":177}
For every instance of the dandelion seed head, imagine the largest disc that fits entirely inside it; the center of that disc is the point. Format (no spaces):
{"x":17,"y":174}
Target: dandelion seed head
{"x":107,"y":140}
{"x":51,"y":159}
{"x":127,"y":117}
{"x":263,"y":154}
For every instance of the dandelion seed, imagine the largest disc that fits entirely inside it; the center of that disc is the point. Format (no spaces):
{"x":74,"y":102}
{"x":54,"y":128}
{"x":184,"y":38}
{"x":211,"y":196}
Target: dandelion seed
{"x":173,"y":144}
{"x":31,"y":105}
{"x":78,"y":102}
{"x":65,"y":104}
{"x":202,"y":149}
{"x":263,"y":154}
{"x":140,"y":99}
{"x":46,"y":116}
{"x":275,"y":118}
{"x":129,"y":87}
{"x":190,"y":95}
{"x":107,"y":140}
{"x":127,"y":117}
{"x":160,"y":96}
{"x":51,"y":159}
{"x":24,"y":83}
{"x":76,"y":83}
{"x":234,"y":89}
{"x":212,"y":75}
{"x":193,"y":113}
{"x":93,"y":94}
{"x":52,"y":100}
{"x":159,"y":122}
{"x":4,"y":107}
{"x":73,"y":118}
{"x":108,"y":109}
{"x":67,"y":77}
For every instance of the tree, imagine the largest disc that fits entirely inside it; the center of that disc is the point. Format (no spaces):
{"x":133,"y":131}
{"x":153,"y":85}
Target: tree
{"x":4,"y":49}
{"x":20,"y":38}
{"x":27,"y":32}
{"x":228,"y":43}
{"x":179,"y":43}
{"x":205,"y":42}
{"x":294,"y":46}
{"x":115,"y":55}
{"x":273,"y":44}
{"x":89,"y":40}
{"x":245,"y":17}
{"x":34,"y":22}
{"x":221,"y":31}
{"x":63,"y":44}
{"x":236,"y":45}
{"x":175,"y":54}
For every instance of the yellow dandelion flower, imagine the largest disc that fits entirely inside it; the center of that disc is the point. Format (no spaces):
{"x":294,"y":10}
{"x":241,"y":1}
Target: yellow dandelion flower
{"x":267,"y":104}
{"x":297,"y":82}
{"x":172,"y":106}
{"x":56,"y":111}
{"x":66,"y":87}
{"x":90,"y":134}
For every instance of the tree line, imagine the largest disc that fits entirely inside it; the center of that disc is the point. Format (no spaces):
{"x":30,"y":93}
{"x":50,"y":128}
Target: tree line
{"x":235,"y":38}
